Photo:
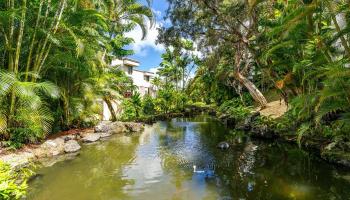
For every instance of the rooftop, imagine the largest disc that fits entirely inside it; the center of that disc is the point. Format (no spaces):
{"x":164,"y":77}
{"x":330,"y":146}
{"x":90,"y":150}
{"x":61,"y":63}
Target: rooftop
{"x":144,"y":71}
{"x":132,"y":60}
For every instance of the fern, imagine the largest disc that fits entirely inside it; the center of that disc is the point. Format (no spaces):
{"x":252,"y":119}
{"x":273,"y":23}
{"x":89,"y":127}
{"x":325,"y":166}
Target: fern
{"x":302,"y":131}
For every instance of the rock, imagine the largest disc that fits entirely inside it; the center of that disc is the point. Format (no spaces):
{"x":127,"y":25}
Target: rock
{"x":250,"y":147}
{"x":111,"y":127}
{"x":104,"y":135}
{"x":56,"y":152}
{"x":337,"y":157}
{"x":50,"y":161}
{"x":223,"y":145}
{"x":56,"y":143}
{"x":331,"y":146}
{"x":103,"y":126}
{"x":228,"y":120}
{"x":71,"y":146}
{"x":262,"y":131}
{"x":70,"y":137}
{"x":92,"y":137}
{"x":247,"y":125}
{"x":134,"y":127}
{"x":50,"y":147}
{"x":17,"y":161}
{"x":118,"y":127}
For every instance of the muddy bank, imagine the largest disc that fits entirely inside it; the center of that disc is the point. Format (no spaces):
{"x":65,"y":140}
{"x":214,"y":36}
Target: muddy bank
{"x":68,"y":142}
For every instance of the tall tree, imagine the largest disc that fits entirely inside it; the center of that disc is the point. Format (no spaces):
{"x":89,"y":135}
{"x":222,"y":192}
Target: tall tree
{"x":218,"y":26}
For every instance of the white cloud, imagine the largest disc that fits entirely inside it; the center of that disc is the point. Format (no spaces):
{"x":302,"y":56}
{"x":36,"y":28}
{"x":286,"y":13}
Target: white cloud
{"x":157,"y":13}
{"x":154,"y":70}
{"x":140,"y":46}
{"x":167,"y":22}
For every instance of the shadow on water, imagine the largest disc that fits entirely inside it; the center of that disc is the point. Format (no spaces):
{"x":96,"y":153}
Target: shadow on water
{"x":159,"y":164}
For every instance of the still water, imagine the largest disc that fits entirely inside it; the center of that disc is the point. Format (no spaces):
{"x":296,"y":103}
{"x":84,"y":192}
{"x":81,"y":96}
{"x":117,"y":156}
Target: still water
{"x":158,"y":164}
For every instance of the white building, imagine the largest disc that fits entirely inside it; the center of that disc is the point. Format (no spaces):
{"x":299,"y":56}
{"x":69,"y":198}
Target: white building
{"x":141,"y":79}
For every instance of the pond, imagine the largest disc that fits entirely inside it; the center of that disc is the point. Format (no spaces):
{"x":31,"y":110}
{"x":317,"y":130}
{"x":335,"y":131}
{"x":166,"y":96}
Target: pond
{"x":158,"y":164}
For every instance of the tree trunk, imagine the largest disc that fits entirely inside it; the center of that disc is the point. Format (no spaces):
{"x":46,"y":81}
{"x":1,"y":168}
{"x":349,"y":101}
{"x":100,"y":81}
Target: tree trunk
{"x":42,"y":53}
{"x":31,"y":47}
{"x":338,"y":29}
{"x":11,"y":5}
{"x":66,"y":113}
{"x":253,"y":90}
{"x":20,"y":35}
{"x":111,"y":109}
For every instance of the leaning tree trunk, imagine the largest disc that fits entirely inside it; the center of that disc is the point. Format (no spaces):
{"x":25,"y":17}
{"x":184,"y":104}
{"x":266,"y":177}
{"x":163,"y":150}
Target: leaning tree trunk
{"x":253,"y":90}
{"x":111,"y":109}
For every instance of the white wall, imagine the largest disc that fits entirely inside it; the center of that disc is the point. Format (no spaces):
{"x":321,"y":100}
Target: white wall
{"x":138,"y":80}
{"x":107,"y":114}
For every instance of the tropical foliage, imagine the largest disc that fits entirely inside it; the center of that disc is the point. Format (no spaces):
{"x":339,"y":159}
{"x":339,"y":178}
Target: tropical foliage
{"x":54,"y":58}
{"x":171,"y":82}
{"x":298,"y":48}
{"x":13,"y":184}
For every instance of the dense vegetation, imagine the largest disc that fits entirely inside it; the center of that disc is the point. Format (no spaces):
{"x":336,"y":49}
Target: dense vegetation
{"x":173,"y":76}
{"x":298,"y":48}
{"x":54,"y":57}
{"x":13,"y":184}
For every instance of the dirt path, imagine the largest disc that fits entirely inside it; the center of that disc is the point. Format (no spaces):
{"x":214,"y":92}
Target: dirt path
{"x":274,"y":109}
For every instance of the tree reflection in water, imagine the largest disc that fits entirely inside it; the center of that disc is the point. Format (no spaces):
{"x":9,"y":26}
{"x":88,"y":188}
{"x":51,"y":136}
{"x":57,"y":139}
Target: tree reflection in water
{"x":158,"y":164}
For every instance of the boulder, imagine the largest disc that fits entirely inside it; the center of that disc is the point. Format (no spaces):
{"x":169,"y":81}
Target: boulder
{"x":118,"y":127}
{"x":111,"y":127}
{"x":262,"y":131}
{"x":71,"y":146}
{"x":134,"y":127}
{"x":70,"y":137}
{"x":104,"y":135}
{"x":51,"y":147}
{"x":19,"y":160}
{"x":249,"y":120}
{"x":228,"y":120}
{"x":103,"y":126}
{"x":223,"y":145}
{"x":92,"y":137}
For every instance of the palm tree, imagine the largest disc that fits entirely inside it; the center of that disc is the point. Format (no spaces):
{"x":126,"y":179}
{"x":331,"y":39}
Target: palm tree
{"x":31,"y":116}
{"x":60,"y":44}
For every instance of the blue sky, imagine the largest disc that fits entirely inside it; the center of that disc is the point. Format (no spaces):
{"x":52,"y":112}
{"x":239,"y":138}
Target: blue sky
{"x":146,"y":51}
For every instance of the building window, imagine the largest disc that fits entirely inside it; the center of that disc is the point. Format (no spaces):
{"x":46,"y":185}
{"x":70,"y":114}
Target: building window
{"x":130,"y":69}
{"x":146,"y":78}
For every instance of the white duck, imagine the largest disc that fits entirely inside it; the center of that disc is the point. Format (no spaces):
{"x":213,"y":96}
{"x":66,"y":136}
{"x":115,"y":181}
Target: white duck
{"x":207,"y":173}
{"x":197,"y":171}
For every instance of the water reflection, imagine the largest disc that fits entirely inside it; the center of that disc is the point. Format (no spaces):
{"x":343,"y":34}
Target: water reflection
{"x":158,"y":164}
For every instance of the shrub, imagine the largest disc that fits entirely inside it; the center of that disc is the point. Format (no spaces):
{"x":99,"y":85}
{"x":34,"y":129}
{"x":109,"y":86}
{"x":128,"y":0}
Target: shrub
{"x":148,"y":106}
{"x":13,"y":184}
{"x":129,"y":111}
{"x":240,"y":112}
{"x":235,"y":108}
{"x":229,"y":104}
{"x":199,"y":104}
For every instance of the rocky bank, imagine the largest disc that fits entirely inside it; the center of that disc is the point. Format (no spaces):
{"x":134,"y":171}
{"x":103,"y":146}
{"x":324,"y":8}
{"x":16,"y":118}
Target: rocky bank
{"x":67,"y":144}
{"x":335,"y":151}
